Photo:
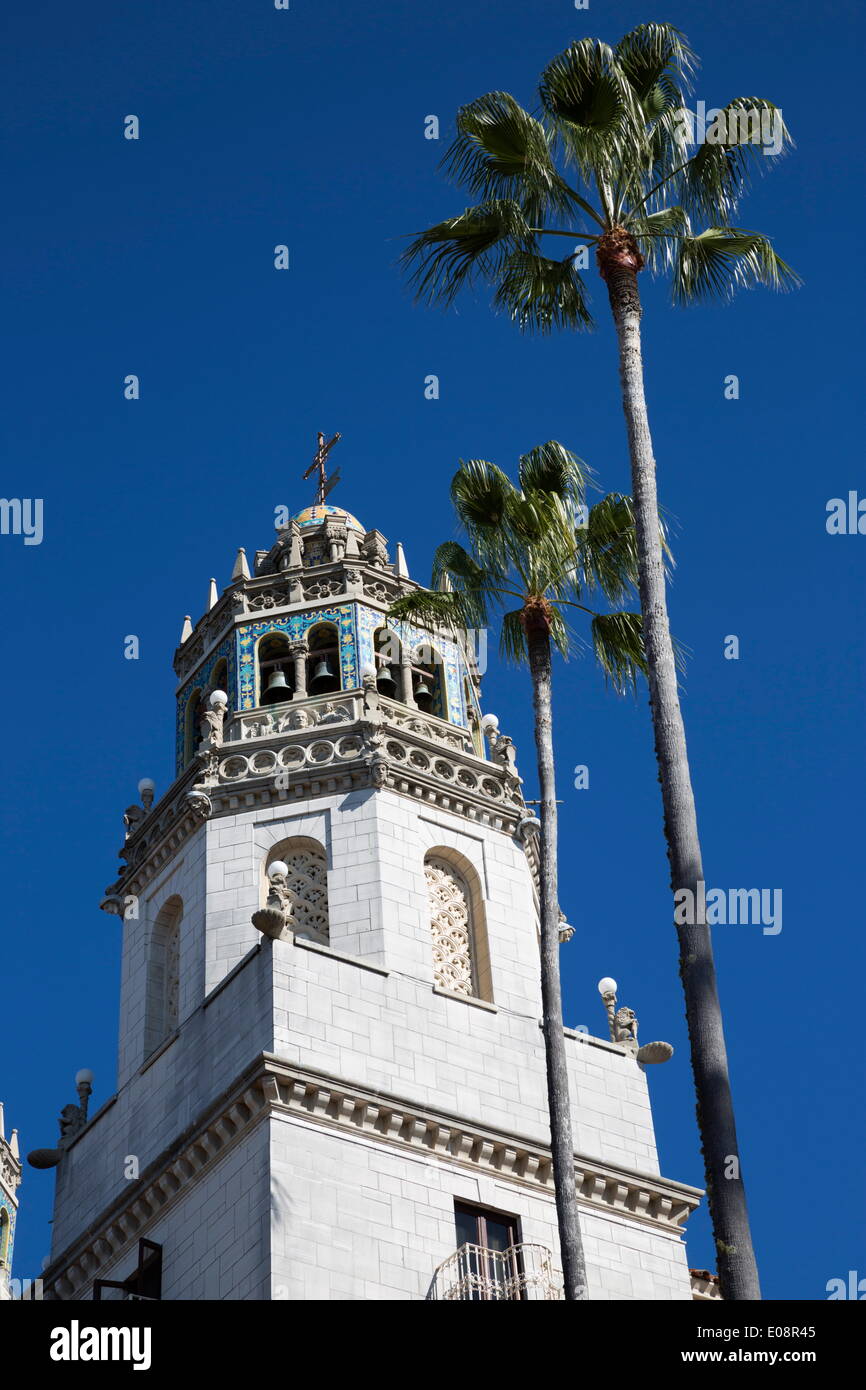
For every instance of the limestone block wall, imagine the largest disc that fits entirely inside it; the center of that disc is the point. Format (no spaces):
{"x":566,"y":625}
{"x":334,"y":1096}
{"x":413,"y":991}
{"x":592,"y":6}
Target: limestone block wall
{"x":353,"y":1221}
{"x":156,"y":1105}
{"x":216,"y":1235}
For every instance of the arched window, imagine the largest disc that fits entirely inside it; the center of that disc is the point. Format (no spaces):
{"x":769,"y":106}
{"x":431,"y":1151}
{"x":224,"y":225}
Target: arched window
{"x":428,"y":680}
{"x":5,"y":1233}
{"x":191,"y":731}
{"x":323,"y":660}
{"x":305,"y":893}
{"x":276,"y":672}
{"x":388,"y":650}
{"x":460,"y":957}
{"x":162,"y":1004}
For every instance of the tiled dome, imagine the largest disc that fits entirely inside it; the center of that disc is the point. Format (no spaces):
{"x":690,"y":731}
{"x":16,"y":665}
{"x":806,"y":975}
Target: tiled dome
{"x":318,"y":512}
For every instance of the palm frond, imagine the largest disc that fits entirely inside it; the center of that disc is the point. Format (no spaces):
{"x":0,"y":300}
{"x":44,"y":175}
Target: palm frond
{"x":607,"y":548}
{"x":617,"y":640}
{"x":551,"y":467}
{"x":433,"y":608}
{"x":652,"y":53}
{"x":540,"y":294}
{"x":721,"y":260}
{"x":473,"y":245}
{"x":591,"y":106}
{"x":719,"y":173}
{"x":502,"y":152}
{"x":512,"y":638}
{"x":658,"y":235}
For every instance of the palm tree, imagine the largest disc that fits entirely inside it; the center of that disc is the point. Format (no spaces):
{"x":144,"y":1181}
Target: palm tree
{"x":535,"y":550}
{"x":609,"y":163}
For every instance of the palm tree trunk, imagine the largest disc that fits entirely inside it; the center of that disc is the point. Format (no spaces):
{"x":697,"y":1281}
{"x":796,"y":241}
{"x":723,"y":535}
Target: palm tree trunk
{"x":561,"y":1139}
{"x":738,"y":1273}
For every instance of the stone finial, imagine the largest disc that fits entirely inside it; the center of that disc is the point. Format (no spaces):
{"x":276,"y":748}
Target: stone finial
{"x":13,"y":1145}
{"x":213,"y":596}
{"x":445,"y":586}
{"x":401,"y":569}
{"x":2,"y":1130}
{"x":186,"y":630}
{"x":296,"y":555}
{"x":375,"y":548}
{"x":353,"y":550}
{"x":241,"y":569}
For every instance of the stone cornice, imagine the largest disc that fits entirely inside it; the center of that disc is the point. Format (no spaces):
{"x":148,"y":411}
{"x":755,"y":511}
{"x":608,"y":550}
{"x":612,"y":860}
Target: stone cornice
{"x":271,"y":1087}
{"x":418,"y":756}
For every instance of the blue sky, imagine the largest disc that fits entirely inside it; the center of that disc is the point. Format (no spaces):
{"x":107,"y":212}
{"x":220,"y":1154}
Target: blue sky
{"x":155,"y":257}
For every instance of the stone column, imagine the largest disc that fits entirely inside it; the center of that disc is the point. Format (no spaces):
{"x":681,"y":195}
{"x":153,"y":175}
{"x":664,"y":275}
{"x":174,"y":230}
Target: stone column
{"x":407,"y":694}
{"x":299,"y":656}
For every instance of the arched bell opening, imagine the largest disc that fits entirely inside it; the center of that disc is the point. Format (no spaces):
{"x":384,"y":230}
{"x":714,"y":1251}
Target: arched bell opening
{"x":387,"y":650}
{"x":323,"y":660}
{"x":191,"y":720}
{"x":276,"y":675}
{"x":428,"y":681}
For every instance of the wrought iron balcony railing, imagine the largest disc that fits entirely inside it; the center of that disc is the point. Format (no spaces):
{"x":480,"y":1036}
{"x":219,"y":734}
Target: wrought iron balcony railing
{"x":475,"y":1274}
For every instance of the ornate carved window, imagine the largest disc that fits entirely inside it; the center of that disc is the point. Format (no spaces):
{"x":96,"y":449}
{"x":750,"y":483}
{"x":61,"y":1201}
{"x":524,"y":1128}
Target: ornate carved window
{"x":162,"y":1007}
{"x":451,"y":926}
{"x":306,"y":889}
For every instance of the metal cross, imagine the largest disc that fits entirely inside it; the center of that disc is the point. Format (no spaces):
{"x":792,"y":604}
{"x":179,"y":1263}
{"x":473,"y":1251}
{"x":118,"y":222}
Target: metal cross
{"x":324,"y":484}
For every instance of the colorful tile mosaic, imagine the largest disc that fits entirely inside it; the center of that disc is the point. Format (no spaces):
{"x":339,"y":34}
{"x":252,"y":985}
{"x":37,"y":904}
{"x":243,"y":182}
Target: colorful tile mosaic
{"x":356,"y":625}
{"x":454,"y":708}
{"x":295,"y":627}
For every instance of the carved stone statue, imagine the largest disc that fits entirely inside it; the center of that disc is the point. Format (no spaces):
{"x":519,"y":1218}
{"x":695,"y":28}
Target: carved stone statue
{"x":131,"y":818}
{"x":272,"y":919}
{"x":211,"y":724}
{"x":70,"y":1123}
{"x":625,"y":1026}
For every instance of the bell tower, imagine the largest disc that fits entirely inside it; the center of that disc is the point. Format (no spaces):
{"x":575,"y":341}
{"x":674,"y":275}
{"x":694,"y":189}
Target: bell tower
{"x":10,"y":1178}
{"x":331,"y":1076}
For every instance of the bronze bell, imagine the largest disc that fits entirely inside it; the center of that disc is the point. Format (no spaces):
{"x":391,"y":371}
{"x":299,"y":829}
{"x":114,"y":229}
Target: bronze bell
{"x":278,"y":687}
{"x":423,"y":694}
{"x":323,"y":678}
{"x":385,"y":682}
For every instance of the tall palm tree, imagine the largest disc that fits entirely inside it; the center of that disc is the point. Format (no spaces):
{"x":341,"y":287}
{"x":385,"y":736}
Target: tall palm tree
{"x":535,"y":551}
{"x":609,"y":162}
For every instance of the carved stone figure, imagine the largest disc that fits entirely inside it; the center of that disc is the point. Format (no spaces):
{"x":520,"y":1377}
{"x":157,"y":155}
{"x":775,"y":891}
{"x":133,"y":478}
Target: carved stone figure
{"x":132,"y":816}
{"x":199,"y":803}
{"x":70,"y":1123}
{"x":211,"y":724}
{"x":298,"y":898}
{"x":625,"y":1026}
{"x":329,"y":715}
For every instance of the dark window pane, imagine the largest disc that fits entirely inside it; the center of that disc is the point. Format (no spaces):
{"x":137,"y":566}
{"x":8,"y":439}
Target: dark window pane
{"x":467,"y":1227}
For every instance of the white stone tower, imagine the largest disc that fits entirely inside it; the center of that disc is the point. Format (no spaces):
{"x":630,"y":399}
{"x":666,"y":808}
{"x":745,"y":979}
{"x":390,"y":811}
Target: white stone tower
{"x":10,"y":1178}
{"x":332,"y":1102}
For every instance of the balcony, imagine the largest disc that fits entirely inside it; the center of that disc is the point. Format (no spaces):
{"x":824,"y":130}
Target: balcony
{"x":475,"y":1274}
